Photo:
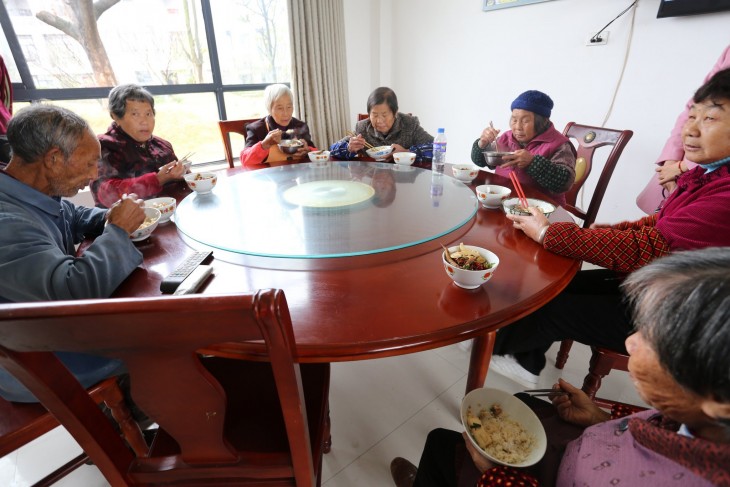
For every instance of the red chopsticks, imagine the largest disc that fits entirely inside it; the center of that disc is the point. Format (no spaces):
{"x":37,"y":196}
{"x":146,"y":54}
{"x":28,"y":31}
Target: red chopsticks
{"x":518,"y":189}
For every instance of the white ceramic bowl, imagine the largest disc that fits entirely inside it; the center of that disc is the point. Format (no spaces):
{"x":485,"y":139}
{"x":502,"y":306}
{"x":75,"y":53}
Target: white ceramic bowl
{"x":405,"y":158}
{"x":466,"y":278}
{"x":201,"y":182}
{"x":491,"y":195}
{"x":517,"y":410}
{"x":380,"y":153}
{"x":465,"y":172}
{"x":512,"y":206}
{"x":319,"y":156}
{"x":151,"y":219}
{"x":165,"y":204}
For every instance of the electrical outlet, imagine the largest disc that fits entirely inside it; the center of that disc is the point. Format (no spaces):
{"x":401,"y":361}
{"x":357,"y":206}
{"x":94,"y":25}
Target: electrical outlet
{"x":601,"y":40}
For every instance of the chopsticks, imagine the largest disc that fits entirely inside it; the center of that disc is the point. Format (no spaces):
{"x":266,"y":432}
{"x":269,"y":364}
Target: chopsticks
{"x":181,"y":161}
{"x":545,"y":392}
{"x":518,"y":189}
{"x":353,"y":134}
{"x":186,"y":157}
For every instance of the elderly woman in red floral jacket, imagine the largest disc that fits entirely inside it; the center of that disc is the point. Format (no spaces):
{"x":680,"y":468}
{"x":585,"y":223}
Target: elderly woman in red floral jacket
{"x":133,"y":160}
{"x":590,"y":311}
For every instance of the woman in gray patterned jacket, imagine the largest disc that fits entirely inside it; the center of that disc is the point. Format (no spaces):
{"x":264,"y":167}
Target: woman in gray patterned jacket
{"x":386,"y":126}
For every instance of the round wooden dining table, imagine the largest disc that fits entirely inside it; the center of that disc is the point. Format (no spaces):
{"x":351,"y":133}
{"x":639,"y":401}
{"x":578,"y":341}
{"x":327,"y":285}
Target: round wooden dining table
{"x":357,"y":248}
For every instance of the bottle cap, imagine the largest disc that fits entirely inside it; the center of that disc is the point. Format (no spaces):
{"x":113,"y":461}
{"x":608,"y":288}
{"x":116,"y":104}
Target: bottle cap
{"x":440,"y":131}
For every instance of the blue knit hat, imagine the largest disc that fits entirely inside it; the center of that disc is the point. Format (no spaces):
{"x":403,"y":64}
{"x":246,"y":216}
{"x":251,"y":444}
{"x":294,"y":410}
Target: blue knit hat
{"x":534,"y":101}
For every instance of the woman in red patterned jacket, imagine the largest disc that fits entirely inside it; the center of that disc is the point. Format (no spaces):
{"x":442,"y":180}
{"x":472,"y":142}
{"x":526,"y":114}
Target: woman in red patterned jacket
{"x":696,"y":215}
{"x":132,"y":159}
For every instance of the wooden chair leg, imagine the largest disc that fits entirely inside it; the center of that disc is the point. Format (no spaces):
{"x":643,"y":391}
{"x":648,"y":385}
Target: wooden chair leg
{"x":131,"y":431}
{"x":327,"y":434}
{"x":563,"y":353}
{"x":599,"y":367}
{"x":62,"y":471}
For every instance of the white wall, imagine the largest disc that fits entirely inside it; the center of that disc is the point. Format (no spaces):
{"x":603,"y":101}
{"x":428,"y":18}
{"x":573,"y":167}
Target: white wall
{"x":456,"y":66}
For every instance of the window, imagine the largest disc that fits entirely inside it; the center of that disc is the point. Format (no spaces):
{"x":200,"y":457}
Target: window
{"x":161,"y":44}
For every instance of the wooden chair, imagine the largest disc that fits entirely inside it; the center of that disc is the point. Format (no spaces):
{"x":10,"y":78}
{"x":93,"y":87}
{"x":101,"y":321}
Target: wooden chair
{"x":235,"y":126}
{"x":223,"y":421}
{"x":603,"y":361}
{"x":589,"y":139}
{"x":21,"y":423}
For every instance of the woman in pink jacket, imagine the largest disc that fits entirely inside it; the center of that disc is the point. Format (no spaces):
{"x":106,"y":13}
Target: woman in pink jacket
{"x":671,"y":162}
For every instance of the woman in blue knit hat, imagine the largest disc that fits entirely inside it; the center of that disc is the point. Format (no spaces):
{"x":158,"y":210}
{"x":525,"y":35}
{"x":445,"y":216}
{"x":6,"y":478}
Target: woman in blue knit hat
{"x":543,"y":157}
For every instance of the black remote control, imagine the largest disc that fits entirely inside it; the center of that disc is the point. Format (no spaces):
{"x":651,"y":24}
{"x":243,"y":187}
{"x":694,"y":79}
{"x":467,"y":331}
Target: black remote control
{"x":170,"y":283}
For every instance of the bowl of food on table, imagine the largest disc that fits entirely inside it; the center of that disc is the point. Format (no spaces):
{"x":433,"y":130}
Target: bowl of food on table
{"x":465,"y":172}
{"x":380,"y":153}
{"x":469,"y":266}
{"x":151,"y":219}
{"x":319,"y":155}
{"x":404,"y":158}
{"x":513,"y":206}
{"x":165,"y":204}
{"x":290,"y":146}
{"x":503,"y":428}
{"x":201,"y":182}
{"x":492,"y":195}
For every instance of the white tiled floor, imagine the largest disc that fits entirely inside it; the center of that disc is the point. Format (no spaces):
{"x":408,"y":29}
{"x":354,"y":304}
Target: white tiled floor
{"x":380,"y":409}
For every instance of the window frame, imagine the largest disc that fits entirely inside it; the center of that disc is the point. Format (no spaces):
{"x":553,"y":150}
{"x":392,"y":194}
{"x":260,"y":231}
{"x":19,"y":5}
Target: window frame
{"x":25,"y":91}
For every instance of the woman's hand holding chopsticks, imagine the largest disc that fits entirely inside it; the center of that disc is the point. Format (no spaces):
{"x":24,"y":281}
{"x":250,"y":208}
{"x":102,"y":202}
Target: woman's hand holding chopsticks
{"x":357,"y":142}
{"x":532,"y":225}
{"x":576,"y":407}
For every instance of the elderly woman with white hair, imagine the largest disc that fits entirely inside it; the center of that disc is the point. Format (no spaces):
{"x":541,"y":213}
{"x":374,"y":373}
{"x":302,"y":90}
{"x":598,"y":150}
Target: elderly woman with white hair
{"x":263,"y":136}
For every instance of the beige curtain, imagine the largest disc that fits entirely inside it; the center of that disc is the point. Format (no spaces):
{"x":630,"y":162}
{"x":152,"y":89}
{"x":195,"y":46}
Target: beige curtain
{"x":319,"y":71}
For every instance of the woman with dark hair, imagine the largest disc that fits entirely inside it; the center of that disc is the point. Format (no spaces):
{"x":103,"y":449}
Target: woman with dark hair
{"x":542,"y":156}
{"x":696,"y":215}
{"x":385,"y":125}
{"x":679,"y":365}
{"x":132,"y":159}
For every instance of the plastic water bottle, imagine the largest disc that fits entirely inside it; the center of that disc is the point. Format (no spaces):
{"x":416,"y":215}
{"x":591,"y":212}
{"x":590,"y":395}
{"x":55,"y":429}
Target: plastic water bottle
{"x":439,"y":152}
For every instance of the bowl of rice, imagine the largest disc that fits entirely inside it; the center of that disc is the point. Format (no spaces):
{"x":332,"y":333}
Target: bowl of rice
{"x":165,"y":204}
{"x":503,"y":428}
{"x":151,"y":219}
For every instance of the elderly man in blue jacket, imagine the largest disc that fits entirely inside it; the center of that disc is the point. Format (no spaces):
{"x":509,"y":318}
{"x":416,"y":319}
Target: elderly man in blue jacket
{"x":54,"y":155}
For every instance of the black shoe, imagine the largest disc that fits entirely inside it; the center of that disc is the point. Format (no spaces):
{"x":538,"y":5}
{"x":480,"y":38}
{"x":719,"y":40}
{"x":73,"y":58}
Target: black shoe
{"x":403,"y":472}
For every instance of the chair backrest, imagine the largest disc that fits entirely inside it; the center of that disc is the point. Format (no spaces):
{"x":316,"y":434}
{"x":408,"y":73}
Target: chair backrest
{"x":589,"y":139}
{"x":159,"y":339}
{"x":235,"y":126}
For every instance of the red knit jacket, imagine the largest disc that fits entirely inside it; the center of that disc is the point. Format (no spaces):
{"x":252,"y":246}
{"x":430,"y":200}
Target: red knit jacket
{"x":696,"y":215}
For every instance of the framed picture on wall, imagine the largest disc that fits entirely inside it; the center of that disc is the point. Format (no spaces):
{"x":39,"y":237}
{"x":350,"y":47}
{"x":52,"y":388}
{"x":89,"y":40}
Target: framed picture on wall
{"x":497,"y":4}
